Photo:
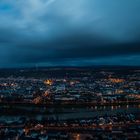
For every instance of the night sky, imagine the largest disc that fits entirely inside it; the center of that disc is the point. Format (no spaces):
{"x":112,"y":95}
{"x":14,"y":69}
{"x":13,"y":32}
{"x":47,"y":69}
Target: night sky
{"x":69,"y":32}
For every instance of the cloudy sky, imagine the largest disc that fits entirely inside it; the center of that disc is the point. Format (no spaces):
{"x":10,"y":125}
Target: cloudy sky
{"x":69,"y":32}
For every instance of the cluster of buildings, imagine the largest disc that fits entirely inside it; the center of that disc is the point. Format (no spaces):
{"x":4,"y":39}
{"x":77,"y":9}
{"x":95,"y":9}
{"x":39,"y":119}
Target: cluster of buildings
{"x":99,"y":87}
{"x":76,"y":105}
{"x":107,"y":126}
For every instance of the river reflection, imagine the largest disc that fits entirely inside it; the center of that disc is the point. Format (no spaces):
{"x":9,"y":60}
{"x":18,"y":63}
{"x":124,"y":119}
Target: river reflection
{"x":75,"y":113}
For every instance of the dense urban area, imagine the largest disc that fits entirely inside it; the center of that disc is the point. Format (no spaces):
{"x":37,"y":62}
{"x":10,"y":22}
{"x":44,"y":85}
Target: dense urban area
{"x":74,"y":103}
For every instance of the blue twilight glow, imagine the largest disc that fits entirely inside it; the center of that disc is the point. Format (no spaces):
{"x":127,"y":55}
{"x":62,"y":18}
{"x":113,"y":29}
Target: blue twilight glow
{"x":69,"y":32}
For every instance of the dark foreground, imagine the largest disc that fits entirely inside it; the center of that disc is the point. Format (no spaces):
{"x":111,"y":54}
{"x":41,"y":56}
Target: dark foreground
{"x":70,"y":103}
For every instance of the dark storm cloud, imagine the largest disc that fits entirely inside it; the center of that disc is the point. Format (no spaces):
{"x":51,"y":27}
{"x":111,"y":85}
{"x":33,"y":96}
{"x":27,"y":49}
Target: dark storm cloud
{"x":74,"y":47}
{"x":61,"y":32}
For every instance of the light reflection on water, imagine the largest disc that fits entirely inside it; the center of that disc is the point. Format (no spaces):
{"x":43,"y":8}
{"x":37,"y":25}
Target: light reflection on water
{"x":71,"y":113}
{"x":113,"y":107}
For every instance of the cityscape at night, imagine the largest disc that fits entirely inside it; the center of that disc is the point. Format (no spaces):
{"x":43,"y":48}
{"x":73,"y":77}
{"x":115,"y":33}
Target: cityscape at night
{"x":69,"y":69}
{"x":70,"y":103}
